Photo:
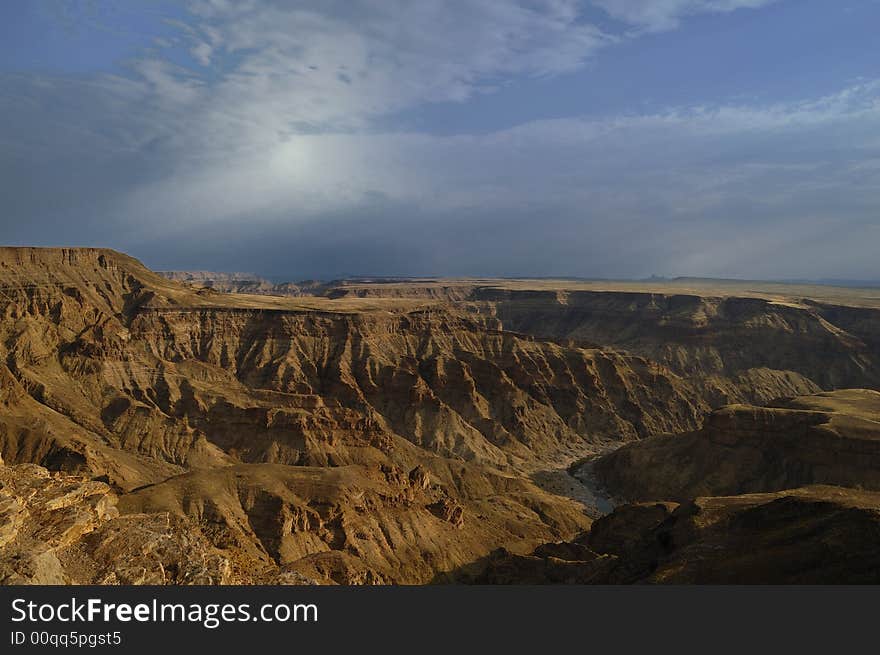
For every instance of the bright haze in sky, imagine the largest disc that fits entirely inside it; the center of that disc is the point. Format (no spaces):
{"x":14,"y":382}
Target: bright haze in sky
{"x":323,"y":138}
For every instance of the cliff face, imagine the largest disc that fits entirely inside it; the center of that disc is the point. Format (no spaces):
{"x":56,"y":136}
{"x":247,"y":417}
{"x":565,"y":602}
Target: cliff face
{"x":748,"y":348}
{"x":746,"y":499}
{"x":809,"y":535}
{"x":451,"y":384}
{"x":831,"y":438}
{"x":735,"y":349}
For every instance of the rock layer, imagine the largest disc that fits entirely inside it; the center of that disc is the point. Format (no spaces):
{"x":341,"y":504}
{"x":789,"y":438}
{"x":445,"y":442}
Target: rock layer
{"x":810,"y":535}
{"x":831,"y":438}
{"x":66,"y":529}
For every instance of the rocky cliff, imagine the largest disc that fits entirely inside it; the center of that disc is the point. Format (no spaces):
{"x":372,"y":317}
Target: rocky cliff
{"x":809,"y":535}
{"x":57,"y":528}
{"x":735,"y":342}
{"x":736,"y":349}
{"x":746,"y":499}
{"x":830,"y":438}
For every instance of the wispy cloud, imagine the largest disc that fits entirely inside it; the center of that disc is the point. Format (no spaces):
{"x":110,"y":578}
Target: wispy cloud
{"x":270,"y":139}
{"x":338,"y":64}
{"x":661,"y":15}
{"x":689,"y":190}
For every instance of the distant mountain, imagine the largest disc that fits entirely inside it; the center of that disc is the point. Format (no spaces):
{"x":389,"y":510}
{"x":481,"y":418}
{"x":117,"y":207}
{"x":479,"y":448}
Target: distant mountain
{"x":828,"y":282}
{"x":244,"y":283}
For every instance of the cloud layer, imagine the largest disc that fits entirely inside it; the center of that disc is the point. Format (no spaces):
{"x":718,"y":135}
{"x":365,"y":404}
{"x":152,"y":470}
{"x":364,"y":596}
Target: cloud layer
{"x":660,"y":15}
{"x":263,"y":152}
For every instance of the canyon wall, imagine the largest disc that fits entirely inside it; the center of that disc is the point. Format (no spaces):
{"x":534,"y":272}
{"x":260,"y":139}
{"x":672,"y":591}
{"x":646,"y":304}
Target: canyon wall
{"x":388,"y":433}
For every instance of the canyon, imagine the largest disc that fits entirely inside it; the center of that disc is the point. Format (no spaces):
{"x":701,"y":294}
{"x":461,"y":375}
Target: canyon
{"x":386,"y":431}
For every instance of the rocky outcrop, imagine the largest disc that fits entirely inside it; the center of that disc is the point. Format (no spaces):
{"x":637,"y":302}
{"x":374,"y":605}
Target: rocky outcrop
{"x":66,"y":529}
{"x":353,"y":524}
{"x":830,"y":438}
{"x":810,"y":535}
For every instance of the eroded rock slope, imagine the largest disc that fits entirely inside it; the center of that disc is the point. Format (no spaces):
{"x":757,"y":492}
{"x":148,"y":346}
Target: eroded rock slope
{"x":832,"y":438}
{"x":389,"y":435}
{"x":808,"y":535}
{"x":311,"y":417}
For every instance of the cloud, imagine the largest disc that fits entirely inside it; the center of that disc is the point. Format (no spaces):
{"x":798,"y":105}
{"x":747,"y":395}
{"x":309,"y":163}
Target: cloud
{"x":267,"y":153}
{"x":278,"y":69}
{"x":661,"y":15}
{"x":202,"y":51}
{"x":727,"y":190}
{"x":337,"y":64}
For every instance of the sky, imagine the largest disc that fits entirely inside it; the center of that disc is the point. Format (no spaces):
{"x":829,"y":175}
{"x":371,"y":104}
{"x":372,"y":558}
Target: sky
{"x":331,"y":138}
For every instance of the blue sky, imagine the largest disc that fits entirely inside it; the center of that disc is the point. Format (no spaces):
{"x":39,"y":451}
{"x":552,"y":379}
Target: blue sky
{"x":606,"y":138}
